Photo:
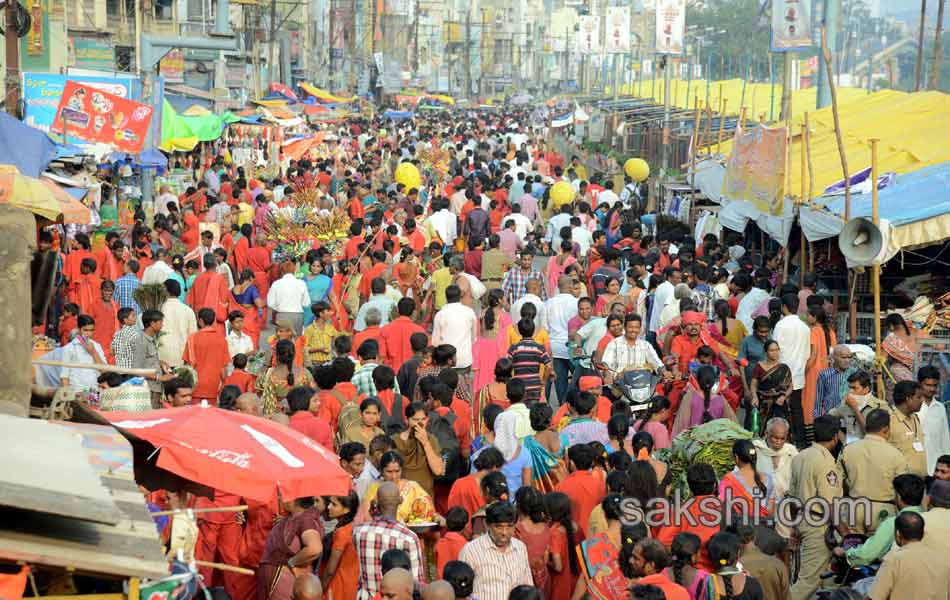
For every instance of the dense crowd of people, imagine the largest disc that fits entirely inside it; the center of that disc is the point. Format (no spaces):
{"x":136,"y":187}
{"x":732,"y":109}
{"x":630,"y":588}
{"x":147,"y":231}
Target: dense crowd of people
{"x":464,"y":351}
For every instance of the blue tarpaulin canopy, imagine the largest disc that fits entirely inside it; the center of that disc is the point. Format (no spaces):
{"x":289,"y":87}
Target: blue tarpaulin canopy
{"x":397,"y":115}
{"x":917,"y":207}
{"x":29,"y":149}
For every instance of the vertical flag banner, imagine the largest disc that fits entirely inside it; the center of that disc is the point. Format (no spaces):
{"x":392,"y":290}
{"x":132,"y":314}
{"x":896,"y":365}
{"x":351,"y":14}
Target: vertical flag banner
{"x":755,"y":171}
{"x":94,"y":115}
{"x":791,"y":25}
{"x":670,"y":26}
{"x":588,"y":35}
{"x":618,"y":30}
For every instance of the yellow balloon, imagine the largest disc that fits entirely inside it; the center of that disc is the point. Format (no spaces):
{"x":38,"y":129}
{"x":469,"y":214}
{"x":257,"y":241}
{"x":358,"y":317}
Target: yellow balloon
{"x":637,"y":169}
{"x":562,"y":192}
{"x":408,"y":175}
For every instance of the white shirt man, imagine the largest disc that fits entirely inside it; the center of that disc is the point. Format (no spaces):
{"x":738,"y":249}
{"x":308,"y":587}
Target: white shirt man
{"x":457,"y":325}
{"x":179,"y":323}
{"x":555,"y":223}
{"x":608,"y":197}
{"x":794,"y":342}
{"x":522,"y":224}
{"x":161,"y":203}
{"x":583,"y":237}
{"x":933,"y":418}
{"x":445,"y":224}
{"x":540,"y":319}
{"x":663,"y":295}
{"x":239,"y":343}
{"x":557,"y":312}
{"x":157,"y":272}
{"x":748,"y":304}
{"x":288,"y":295}
{"x":620,"y":355}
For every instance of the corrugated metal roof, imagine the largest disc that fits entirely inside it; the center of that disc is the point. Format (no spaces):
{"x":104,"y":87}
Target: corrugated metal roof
{"x":130,"y":548}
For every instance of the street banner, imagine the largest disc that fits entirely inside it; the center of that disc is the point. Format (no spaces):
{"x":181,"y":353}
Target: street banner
{"x":670,"y":26}
{"x":791,"y":25}
{"x":172,"y":66}
{"x":588,"y":35}
{"x":94,"y":115}
{"x":755,"y":171}
{"x":618,"y":30}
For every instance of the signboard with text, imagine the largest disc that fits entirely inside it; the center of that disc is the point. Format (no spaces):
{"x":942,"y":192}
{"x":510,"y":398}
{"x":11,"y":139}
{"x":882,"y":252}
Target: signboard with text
{"x":618,"y":30}
{"x":94,"y":115}
{"x":670,"y":26}
{"x":42,"y":93}
{"x":588,"y":35}
{"x":791,"y":25}
{"x":172,"y":66}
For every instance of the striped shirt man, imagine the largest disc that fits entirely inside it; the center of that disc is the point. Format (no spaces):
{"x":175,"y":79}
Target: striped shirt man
{"x":831,"y":389}
{"x":497,"y":570}
{"x":528,"y":358}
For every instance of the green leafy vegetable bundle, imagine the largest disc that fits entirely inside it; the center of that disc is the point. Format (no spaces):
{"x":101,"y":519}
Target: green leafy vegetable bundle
{"x":709,"y":443}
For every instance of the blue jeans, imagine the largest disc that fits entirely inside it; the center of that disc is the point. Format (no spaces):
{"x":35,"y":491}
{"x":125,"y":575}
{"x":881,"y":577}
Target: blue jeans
{"x":562,"y":380}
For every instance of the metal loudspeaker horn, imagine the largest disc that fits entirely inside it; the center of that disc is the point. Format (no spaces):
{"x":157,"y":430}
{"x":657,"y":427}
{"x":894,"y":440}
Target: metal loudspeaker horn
{"x":862,"y":242}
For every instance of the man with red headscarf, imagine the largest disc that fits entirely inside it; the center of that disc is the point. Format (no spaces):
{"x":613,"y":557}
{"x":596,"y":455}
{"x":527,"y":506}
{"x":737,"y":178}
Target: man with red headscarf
{"x":694,"y":334}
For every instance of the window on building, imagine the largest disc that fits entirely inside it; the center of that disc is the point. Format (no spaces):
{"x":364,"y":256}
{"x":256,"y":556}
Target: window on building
{"x":124,"y":58}
{"x":163,"y":10}
{"x":113,"y":8}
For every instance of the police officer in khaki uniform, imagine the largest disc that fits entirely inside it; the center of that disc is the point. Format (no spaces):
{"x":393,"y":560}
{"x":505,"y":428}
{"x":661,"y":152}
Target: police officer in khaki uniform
{"x":907,"y":434}
{"x":869,"y":466}
{"x":816,"y":482}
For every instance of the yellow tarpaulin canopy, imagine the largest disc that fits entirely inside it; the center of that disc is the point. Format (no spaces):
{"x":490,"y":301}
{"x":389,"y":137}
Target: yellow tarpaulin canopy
{"x":913,"y":129}
{"x":683,"y":94}
{"x":324,"y":95}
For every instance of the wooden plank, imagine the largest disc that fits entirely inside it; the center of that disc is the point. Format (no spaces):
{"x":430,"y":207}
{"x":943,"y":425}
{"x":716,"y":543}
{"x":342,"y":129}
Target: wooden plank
{"x":44,"y":468}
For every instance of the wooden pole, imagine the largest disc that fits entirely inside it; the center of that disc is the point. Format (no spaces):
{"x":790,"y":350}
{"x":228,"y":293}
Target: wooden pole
{"x":104,"y":368}
{"x":722,"y":124}
{"x":834,"y":112}
{"x":876,"y":270}
{"x":707,"y":133}
{"x":934,"y":82}
{"x":919,"y":67}
{"x":221,"y":567}
{"x":801,"y":203}
{"x":694,"y":153}
{"x":811,"y":169}
{"x":811,"y":186}
{"x":216,"y":509}
{"x":742,"y":117}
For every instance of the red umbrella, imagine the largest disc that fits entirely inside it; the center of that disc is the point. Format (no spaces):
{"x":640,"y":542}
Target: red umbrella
{"x":237,"y":453}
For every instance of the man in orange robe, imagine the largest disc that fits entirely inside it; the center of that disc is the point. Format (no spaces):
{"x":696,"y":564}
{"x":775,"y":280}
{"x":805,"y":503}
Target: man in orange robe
{"x":80,"y":248}
{"x":239,"y":258}
{"x":258,"y":260}
{"x":84,"y":289}
{"x":258,"y":523}
{"x":379,"y":267}
{"x":207,"y":351}
{"x":219,"y":540}
{"x":105,"y":312}
{"x":583,"y":488}
{"x":210,"y":290}
{"x":112,"y":265}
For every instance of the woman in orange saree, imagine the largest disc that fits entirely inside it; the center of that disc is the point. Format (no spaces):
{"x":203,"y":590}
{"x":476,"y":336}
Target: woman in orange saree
{"x":599,"y":557}
{"x":189,"y":235}
{"x":744,"y":486}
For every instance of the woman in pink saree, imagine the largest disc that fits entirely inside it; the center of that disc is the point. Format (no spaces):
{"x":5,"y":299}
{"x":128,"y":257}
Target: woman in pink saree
{"x":492,"y":341}
{"x":900,"y":345}
{"x":702,"y":401}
